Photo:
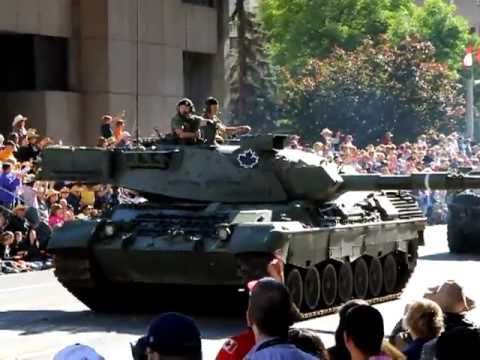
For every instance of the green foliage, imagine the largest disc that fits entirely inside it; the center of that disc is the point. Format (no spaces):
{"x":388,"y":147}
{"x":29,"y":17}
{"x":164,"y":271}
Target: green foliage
{"x":437,"y":22}
{"x":300,"y":30}
{"x":373,"y":89}
{"x":303,"y":29}
{"x":251,"y":76}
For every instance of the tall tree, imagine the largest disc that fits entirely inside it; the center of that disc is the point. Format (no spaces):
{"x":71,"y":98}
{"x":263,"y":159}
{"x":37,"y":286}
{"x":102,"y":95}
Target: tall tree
{"x":376,"y":88}
{"x":300,"y":30}
{"x":437,"y":22}
{"x":252,"y":84}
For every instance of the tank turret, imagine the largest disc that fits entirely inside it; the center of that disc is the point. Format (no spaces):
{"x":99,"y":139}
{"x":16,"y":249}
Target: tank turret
{"x":257,"y":170}
{"x":216,"y":216}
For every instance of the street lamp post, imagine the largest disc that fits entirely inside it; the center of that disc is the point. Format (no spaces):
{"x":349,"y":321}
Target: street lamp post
{"x":470,"y":83}
{"x":469,"y":114}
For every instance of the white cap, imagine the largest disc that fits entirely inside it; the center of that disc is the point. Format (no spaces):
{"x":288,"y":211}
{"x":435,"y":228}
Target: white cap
{"x":18,"y":118}
{"x":78,"y":352}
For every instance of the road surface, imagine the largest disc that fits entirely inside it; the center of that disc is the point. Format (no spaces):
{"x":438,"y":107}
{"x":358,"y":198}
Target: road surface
{"x":38,"y":316}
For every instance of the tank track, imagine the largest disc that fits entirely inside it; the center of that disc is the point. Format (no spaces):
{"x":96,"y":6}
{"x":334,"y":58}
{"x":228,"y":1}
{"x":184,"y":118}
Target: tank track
{"x":252,"y":266}
{"x":81,"y":278}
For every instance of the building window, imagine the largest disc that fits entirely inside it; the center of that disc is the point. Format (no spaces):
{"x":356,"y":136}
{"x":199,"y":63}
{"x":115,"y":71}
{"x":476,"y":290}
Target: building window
{"x":210,"y":3}
{"x":198,"y":77}
{"x":33,"y":62}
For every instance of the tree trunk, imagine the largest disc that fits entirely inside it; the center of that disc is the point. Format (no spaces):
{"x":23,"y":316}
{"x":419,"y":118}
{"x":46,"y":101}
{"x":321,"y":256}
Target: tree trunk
{"x":242,"y":62}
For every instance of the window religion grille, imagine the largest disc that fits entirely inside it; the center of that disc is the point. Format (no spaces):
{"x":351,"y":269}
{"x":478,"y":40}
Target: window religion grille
{"x":33,"y":62}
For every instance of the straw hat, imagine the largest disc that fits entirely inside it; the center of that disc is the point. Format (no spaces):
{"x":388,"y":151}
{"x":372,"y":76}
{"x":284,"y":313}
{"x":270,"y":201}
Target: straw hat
{"x":451,"y":297}
{"x":32,"y":133}
{"x":51,"y":193}
{"x":326,"y":131}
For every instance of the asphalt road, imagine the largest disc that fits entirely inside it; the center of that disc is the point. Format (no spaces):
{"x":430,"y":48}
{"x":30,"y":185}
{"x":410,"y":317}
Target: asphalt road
{"x":38,"y":316}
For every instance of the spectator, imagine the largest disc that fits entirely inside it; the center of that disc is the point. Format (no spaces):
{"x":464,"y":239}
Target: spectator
{"x":74,"y":199}
{"x":9,"y":182}
{"x":29,"y":151}
{"x":17,"y":221}
{"x":78,"y":352}
{"x":340,"y":351}
{"x":30,"y":247}
{"x":308,"y":342}
{"x":27,"y":191}
{"x":454,"y":303}
{"x":8,"y":248}
{"x":459,"y":343}
{"x":52,"y":198}
{"x":56,"y":216}
{"x":106,"y":129}
{"x":175,"y":336}
{"x":102,"y":142}
{"x":18,"y":126}
{"x":424,"y":322}
{"x":119,"y":129}
{"x":8,"y":152}
{"x":363,"y":332}
{"x":269,"y":314}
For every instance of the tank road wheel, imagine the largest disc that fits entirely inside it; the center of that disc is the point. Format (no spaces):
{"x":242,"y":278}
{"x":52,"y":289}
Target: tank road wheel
{"x":329,"y":285}
{"x":390,"y":274}
{"x":345,"y":282}
{"x":375,"y":277}
{"x":294,"y":285}
{"x":312,"y":288}
{"x":360,"y":278}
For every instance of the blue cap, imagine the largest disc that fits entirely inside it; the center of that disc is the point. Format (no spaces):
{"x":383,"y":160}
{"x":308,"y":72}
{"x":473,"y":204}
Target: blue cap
{"x":173,"y":334}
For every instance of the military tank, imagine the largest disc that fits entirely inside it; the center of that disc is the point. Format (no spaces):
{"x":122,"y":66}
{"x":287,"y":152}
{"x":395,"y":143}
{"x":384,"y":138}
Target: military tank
{"x":216,"y":215}
{"x":462,"y":220}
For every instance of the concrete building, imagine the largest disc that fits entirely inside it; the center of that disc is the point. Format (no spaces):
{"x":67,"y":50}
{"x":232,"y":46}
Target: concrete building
{"x":67,"y":62}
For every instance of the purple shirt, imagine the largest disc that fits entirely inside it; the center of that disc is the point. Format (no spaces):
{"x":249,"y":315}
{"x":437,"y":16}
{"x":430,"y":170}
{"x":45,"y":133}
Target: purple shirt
{"x":8,"y":186}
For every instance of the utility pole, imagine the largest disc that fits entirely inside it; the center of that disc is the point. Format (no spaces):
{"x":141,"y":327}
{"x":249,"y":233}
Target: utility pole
{"x":469,"y":113}
{"x":470,"y":83}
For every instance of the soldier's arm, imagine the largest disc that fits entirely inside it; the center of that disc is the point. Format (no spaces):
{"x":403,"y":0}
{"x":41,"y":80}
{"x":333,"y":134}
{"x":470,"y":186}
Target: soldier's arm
{"x":244,"y":129}
{"x":177,"y":127}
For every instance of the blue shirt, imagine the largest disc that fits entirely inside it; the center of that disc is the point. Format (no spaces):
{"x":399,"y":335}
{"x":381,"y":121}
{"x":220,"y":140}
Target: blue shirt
{"x":278,"y":352}
{"x":8,"y":186}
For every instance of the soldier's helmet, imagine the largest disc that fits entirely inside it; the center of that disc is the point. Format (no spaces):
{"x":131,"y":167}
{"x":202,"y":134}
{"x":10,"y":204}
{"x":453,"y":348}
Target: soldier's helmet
{"x":188,"y":102}
{"x":211,"y":101}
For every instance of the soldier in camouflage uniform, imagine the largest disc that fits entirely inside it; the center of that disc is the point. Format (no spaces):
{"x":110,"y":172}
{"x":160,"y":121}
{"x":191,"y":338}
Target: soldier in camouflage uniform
{"x":221,"y":131}
{"x":186,"y":125}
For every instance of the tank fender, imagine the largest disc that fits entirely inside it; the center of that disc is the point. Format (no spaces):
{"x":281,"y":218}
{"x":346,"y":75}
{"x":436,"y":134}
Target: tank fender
{"x":72,"y":235}
{"x":263,"y":238}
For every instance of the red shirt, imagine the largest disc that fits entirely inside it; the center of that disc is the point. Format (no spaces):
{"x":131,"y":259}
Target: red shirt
{"x":237,"y":346}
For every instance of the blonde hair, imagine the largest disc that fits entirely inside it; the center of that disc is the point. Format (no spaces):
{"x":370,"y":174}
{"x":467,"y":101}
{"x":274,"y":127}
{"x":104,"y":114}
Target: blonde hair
{"x":424,"y":319}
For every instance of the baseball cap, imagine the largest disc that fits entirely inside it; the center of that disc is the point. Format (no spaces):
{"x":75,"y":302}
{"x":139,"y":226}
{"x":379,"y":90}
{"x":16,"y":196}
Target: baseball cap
{"x":174,"y":334}
{"x":78,"y":352}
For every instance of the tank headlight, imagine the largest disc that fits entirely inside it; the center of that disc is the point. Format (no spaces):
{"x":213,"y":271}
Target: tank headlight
{"x":109,"y":230}
{"x":223,"y":232}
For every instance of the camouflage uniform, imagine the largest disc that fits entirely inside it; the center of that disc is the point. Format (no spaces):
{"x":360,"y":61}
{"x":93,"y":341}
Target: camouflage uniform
{"x":190,"y":123}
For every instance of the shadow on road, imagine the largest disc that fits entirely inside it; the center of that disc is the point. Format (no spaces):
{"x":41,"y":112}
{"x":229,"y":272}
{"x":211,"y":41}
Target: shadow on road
{"x":31,"y":322}
{"x":451,"y":257}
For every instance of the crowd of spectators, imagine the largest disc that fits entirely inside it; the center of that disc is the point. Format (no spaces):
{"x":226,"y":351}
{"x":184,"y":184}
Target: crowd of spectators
{"x":30,"y":209}
{"x":431,"y":152}
{"x":434,"y":327}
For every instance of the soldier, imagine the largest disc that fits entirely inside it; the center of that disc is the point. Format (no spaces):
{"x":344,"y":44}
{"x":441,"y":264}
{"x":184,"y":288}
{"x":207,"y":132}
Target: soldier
{"x":222,"y":131}
{"x":186,"y":125}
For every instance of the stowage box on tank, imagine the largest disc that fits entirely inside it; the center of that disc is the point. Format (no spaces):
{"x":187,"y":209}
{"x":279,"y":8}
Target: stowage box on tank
{"x":216,"y":215}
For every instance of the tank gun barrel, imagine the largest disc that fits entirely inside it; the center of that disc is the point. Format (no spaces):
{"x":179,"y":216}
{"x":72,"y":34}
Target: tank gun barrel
{"x":421,"y":181}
